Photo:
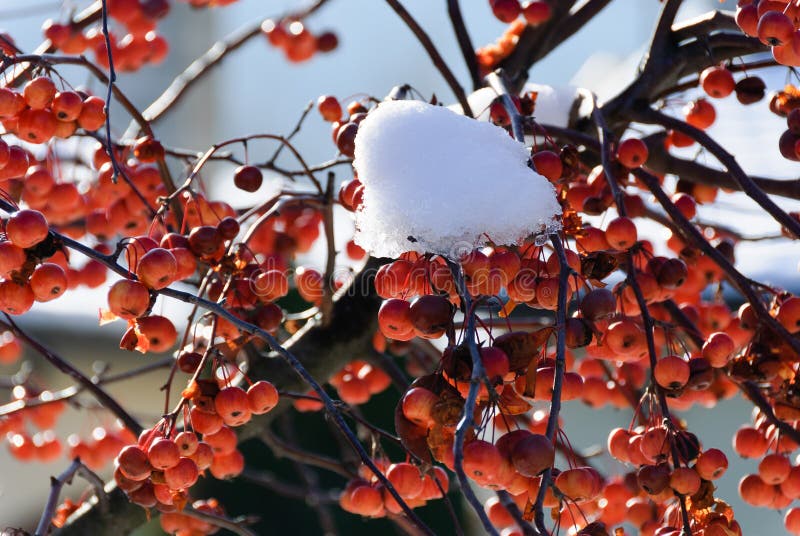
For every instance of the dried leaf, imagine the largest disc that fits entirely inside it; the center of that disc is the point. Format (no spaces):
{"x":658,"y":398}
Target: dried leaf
{"x":107,"y":316}
{"x":786,"y":412}
{"x":447,"y":411}
{"x":522,"y":347}
{"x":511,"y":403}
{"x":704,"y":498}
{"x":529,"y":511}
{"x":598,"y":264}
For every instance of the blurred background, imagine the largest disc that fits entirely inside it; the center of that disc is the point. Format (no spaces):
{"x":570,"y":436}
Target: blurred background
{"x":256,"y":90}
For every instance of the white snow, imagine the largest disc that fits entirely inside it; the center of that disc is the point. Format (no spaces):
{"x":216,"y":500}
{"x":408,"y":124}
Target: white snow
{"x":438,"y":182}
{"x":553,"y":104}
{"x":479,"y":101}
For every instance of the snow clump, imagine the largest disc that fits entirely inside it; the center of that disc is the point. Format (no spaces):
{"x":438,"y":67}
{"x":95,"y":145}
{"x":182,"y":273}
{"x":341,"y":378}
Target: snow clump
{"x":438,"y":182}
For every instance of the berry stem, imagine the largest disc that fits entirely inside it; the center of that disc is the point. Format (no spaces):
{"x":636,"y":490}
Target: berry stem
{"x":555,"y":406}
{"x":467,"y":420}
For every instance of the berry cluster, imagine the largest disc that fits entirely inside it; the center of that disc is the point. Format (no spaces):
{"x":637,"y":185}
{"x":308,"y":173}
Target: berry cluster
{"x":421,"y":297}
{"x":140,"y":44}
{"x":774,"y":23}
{"x":296,"y":41}
{"x":40,"y":410}
{"x":357,"y":381}
{"x":41,"y":112}
{"x":535,"y":11}
{"x":158,"y":470}
{"x":101,"y":447}
{"x":365,"y":495}
{"x":658,"y":338}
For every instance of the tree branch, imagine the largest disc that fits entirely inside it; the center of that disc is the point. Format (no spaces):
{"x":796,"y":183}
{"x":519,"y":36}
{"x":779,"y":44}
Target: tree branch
{"x":661,"y":160}
{"x":433,"y":53}
{"x":467,"y":420}
{"x":703,"y":25}
{"x":56,"y":484}
{"x":210,"y":59}
{"x":555,"y":405}
{"x":745,"y":183}
{"x":64,"y":366}
{"x":464,"y":42}
{"x":662,"y":39}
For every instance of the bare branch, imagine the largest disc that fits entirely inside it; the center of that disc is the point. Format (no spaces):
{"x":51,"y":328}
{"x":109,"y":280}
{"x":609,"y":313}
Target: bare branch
{"x":703,"y":25}
{"x":210,"y":59}
{"x":745,"y":183}
{"x":662,"y":161}
{"x":497,"y":81}
{"x":64,"y":366}
{"x":56,"y":484}
{"x":433,"y":53}
{"x":467,"y":420}
{"x":464,"y":42}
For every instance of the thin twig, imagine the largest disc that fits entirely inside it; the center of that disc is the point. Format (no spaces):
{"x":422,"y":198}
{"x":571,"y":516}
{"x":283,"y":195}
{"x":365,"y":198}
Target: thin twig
{"x":273,"y":483}
{"x":497,"y":81}
{"x":326,"y":305}
{"x":218,"y":521}
{"x":315,"y":498}
{"x":555,"y":406}
{"x":467,"y":420}
{"x":294,"y":131}
{"x":283,"y":449}
{"x":746,"y":184}
{"x":112,"y":78}
{"x":464,"y":42}
{"x":433,"y":53}
{"x":56,"y":484}
{"x":73,"y":390}
{"x":64,"y":366}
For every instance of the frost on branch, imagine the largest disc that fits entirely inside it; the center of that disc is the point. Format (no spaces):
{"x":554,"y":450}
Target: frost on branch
{"x":438,"y":182}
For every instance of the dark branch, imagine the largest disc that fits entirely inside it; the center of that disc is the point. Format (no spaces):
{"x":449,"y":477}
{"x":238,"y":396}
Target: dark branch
{"x":662,"y":161}
{"x":56,"y":484}
{"x":433,"y":53}
{"x":464,"y":42}
{"x":64,"y":366}
{"x":745,"y":183}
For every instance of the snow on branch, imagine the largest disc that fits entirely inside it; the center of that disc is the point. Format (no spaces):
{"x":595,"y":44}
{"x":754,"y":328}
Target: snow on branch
{"x":438,"y":182}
